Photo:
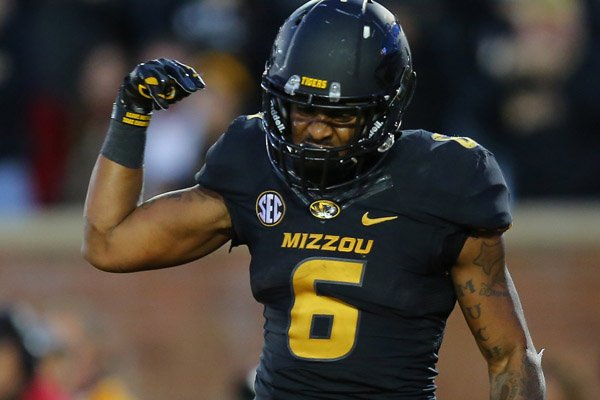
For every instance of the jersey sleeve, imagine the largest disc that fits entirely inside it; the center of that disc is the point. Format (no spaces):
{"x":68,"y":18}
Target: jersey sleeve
{"x":484,"y":203}
{"x":219,"y":170}
{"x":222,"y":172}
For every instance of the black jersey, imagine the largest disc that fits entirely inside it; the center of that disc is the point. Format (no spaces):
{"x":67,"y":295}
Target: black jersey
{"x":356,"y":299}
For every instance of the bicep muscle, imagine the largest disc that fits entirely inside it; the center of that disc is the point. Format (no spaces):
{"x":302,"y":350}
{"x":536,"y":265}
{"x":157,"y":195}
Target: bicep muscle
{"x":169,"y":229}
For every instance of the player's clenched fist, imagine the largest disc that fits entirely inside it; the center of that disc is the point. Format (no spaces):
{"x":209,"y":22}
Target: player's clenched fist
{"x":154,"y":85}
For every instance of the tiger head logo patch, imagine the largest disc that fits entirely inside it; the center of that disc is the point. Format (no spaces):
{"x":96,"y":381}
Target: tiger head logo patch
{"x":324,"y":209}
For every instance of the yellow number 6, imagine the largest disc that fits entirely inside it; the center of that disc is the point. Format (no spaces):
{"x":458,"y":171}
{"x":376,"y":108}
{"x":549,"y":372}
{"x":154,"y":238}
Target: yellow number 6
{"x":341,"y":319}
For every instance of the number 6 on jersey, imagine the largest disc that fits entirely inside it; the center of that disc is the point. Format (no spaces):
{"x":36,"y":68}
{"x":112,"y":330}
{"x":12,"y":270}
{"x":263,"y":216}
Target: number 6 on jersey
{"x":322,"y":327}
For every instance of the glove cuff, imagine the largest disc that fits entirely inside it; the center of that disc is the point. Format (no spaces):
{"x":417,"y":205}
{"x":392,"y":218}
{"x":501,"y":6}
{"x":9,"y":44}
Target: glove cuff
{"x":122,"y":114}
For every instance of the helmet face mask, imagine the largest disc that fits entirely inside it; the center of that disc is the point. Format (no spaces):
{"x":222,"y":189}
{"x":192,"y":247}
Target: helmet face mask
{"x":336,"y":57}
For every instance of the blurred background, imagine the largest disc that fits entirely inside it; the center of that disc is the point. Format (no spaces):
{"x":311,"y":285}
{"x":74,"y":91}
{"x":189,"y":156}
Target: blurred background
{"x":520,"y":77}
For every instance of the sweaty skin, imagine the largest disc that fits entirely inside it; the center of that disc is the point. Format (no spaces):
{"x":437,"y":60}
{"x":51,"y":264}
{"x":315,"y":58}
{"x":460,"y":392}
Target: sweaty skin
{"x":327,"y":129}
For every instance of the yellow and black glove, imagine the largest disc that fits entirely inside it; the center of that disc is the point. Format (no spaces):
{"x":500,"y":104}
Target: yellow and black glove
{"x":154,"y":85}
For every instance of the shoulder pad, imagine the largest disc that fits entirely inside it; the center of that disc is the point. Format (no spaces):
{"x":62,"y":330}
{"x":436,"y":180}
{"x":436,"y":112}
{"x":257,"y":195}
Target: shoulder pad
{"x":458,"y":178}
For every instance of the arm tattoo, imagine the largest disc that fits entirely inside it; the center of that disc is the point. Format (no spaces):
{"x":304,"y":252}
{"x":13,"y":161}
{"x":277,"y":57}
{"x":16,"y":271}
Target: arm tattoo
{"x":494,"y":353}
{"x":489,"y":258}
{"x":468,"y":287}
{"x":526,"y":384}
{"x":487,"y":291}
{"x":188,"y":196}
{"x":507,"y":386}
{"x":491,"y":261}
{"x":473,"y":312}
{"x":480,"y":335}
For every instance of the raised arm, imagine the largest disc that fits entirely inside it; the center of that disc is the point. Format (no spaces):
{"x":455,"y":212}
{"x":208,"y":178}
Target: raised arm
{"x":121,"y":235}
{"x":491,"y":306}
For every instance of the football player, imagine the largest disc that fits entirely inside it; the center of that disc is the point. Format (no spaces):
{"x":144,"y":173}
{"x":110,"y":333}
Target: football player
{"x":362,"y":236}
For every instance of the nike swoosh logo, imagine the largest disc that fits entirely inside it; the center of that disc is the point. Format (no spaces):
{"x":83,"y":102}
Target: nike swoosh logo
{"x":366,"y":221}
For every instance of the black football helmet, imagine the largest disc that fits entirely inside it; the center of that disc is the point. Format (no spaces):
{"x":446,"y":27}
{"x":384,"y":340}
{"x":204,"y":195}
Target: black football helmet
{"x":347,"y":55}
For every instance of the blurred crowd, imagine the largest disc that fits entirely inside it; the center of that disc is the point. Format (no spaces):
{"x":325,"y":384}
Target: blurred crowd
{"x":70,"y":351}
{"x":520,"y":77}
{"x":63,"y":352}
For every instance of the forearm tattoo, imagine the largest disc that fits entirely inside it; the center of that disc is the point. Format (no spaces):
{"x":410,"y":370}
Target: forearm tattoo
{"x":527,"y":383}
{"x":521,"y":379}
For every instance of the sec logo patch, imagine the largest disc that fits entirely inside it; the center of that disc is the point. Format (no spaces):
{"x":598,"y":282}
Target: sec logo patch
{"x":270,"y":208}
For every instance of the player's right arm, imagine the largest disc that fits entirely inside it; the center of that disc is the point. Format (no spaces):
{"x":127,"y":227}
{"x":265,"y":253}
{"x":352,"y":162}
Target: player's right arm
{"x":121,"y":235}
{"x":167,"y":230}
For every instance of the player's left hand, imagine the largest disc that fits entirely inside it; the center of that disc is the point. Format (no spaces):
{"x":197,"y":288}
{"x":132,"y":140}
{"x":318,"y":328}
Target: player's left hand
{"x":161,"y":82}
